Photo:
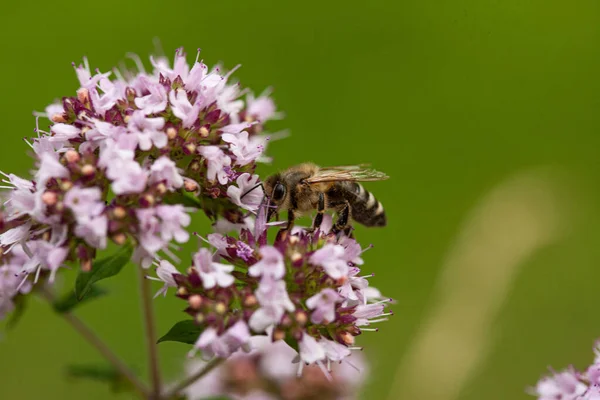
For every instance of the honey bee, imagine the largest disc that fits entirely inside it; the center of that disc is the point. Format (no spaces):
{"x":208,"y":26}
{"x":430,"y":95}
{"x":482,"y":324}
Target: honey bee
{"x":307,"y":187}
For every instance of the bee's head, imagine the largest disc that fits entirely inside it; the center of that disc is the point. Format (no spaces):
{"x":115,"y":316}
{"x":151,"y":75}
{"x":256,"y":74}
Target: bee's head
{"x":276,"y":191}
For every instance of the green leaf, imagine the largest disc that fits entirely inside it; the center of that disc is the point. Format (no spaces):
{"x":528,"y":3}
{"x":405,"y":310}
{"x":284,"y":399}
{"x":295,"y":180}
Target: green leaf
{"x":100,"y":373}
{"x":184,"y":332}
{"x":102,"y":269}
{"x":70,"y":301}
{"x":20,"y":302}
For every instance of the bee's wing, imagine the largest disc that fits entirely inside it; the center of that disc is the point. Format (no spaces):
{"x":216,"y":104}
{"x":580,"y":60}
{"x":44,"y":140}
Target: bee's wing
{"x":356,"y":173}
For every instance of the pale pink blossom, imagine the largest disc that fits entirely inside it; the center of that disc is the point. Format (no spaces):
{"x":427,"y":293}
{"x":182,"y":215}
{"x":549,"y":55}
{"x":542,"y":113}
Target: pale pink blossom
{"x":212,"y":273}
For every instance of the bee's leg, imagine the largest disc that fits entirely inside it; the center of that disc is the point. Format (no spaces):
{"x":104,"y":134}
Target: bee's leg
{"x":290,"y":220}
{"x":342,"y":221}
{"x":320,"y":211}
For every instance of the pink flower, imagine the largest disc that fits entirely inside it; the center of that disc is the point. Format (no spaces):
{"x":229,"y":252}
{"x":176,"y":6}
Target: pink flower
{"x":323,"y":304}
{"x":217,"y":161}
{"x":563,"y":385}
{"x":164,"y":170}
{"x":44,"y":255}
{"x":270,"y":265}
{"x":332,"y":257}
{"x":246,"y":187}
{"x":63,"y":133}
{"x":104,"y":130}
{"x":274,"y":300}
{"x":334,"y":351}
{"x":50,"y":167}
{"x":84,"y":202}
{"x":245,"y":150}
{"x":147,"y":130}
{"x":173,"y":220}
{"x":156,"y":101}
{"x":310,"y":350}
{"x":183,"y":109}
{"x":93,"y":230}
{"x":262,"y":108}
{"x":212,"y":273}
{"x":211,"y":344}
{"x":165,"y":272}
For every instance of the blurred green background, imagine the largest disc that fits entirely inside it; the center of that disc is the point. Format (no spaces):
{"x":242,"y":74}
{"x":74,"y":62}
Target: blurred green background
{"x":450,"y":98}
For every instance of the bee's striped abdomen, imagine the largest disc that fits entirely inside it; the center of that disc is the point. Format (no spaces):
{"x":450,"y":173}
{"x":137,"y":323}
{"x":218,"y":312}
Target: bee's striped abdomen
{"x":365,"y":208}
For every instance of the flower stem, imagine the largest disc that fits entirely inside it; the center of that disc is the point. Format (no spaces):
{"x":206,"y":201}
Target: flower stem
{"x":150,"y":334}
{"x":89,"y":335}
{"x":212,"y":364}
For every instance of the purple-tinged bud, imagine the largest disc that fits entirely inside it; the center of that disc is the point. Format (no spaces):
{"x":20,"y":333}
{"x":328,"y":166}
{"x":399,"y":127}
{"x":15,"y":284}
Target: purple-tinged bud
{"x":147,"y":200}
{"x":212,"y":116}
{"x":250,"y":301}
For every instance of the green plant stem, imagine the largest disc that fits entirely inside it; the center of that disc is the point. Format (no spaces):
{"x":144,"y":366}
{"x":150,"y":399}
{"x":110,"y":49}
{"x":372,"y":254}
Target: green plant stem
{"x":212,"y":364}
{"x":150,"y":331}
{"x":89,"y":335}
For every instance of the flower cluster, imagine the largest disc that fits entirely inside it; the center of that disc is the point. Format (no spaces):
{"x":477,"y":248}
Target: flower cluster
{"x":267,"y":373}
{"x":572,"y":384}
{"x":126,"y":159}
{"x":305,"y":289}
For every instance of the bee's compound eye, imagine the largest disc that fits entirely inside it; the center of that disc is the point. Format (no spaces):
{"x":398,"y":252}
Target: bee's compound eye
{"x":278,"y":192}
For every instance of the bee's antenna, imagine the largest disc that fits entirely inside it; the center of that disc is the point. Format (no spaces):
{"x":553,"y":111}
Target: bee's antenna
{"x":249,"y":190}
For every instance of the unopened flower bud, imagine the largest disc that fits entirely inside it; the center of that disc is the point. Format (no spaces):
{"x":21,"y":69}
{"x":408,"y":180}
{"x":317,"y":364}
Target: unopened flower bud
{"x":294,"y":239}
{"x":195,"y":301}
{"x":58,"y":118}
{"x":220,"y":308}
{"x":59,"y":206}
{"x":190,"y":186}
{"x":347,"y":338}
{"x":182,"y":291}
{"x":204,"y":132}
{"x":88,"y":170}
{"x":250,"y":301}
{"x":127,"y":118}
{"x":72,"y":156}
{"x":49,"y":198}
{"x":171,"y":132}
{"x":83,"y":95}
{"x":148,"y":200}
{"x":119,"y":212}
{"x":301,"y":317}
{"x":161,"y":188}
{"x":295,"y":257}
{"x":119,"y":238}
{"x":189,"y":148}
{"x":199,"y":318}
{"x":278,"y":334}
{"x":65,"y":185}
